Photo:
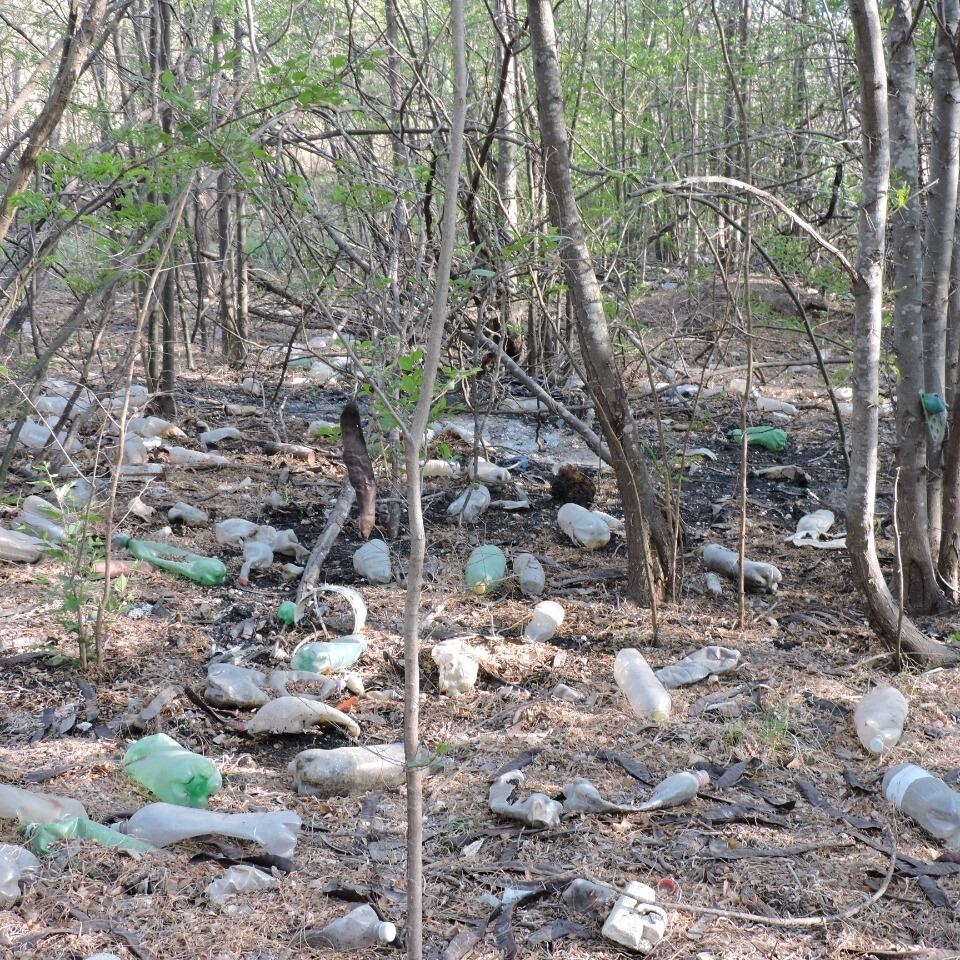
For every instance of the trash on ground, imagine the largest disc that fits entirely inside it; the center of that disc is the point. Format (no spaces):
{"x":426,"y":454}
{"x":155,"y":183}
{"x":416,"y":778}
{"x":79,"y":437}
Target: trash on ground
{"x":585,"y":528}
{"x":348,"y":770}
{"x":42,"y":518}
{"x":483,"y":471}
{"x":17,"y":865}
{"x":458,"y":666}
{"x":43,"y":836}
{"x":563,"y":692}
{"x":470,"y":505}
{"x":529,"y":573}
{"x":135,"y":452}
{"x":353,"y":597}
{"x":195,"y":459}
{"x":434,"y":469}
{"x":291,"y":571}
{"x":485,"y":570}
{"x":583,"y":896}
{"x":257,"y":555}
{"x":880,"y":717}
{"x":229,"y":685}
{"x":812,"y":530}
{"x":763,"y":577}
{"x":241,"y":878}
{"x":925,"y":798}
{"x":714,"y":585}
{"x":207,"y":571}
{"x":789,"y":472}
{"x":636,"y":922}
{"x":770,"y":438}
{"x":547,"y":619}
{"x":213,"y":438}
{"x":705,"y":662}
{"x":581,"y":796}
{"x":17,"y":547}
{"x":359,"y":929}
{"x":297,"y":715}
{"x":155,"y":427}
{"x":647,"y":696}
{"x":26,"y":806}
{"x":328,"y":656}
{"x":287,"y":613}
{"x":233,"y":531}
{"x":676,"y":789}
{"x":372,"y":562}
{"x":190,"y":515}
{"x":141,"y":510}
{"x":171,"y":772}
{"x":772,"y":405}
{"x":536,"y":810}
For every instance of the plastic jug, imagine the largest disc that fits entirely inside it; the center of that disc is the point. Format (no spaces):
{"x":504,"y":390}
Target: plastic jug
{"x":359,"y":929}
{"x":372,"y":562}
{"x":348,"y":770}
{"x":926,"y":799}
{"x":238,"y":879}
{"x":529,"y":572}
{"x":647,"y":696}
{"x":163,"y":824}
{"x":879,"y":718}
{"x":328,"y":656}
{"x":171,"y":772}
{"x":583,"y":527}
{"x":16,"y":865}
{"x":486,"y":569}
{"x":206,"y":571}
{"x":28,"y":807}
{"x":636,"y":921}
{"x":676,"y":789}
{"x":547,"y":620}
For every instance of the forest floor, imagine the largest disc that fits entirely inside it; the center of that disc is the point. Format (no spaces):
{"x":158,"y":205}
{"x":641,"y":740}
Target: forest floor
{"x":793,"y":824}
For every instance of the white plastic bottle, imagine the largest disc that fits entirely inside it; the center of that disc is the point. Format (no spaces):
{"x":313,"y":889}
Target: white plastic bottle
{"x":360,"y":928}
{"x":257,"y":555}
{"x":879,"y":718}
{"x":529,"y":572}
{"x":547,"y":620}
{"x":926,"y":799}
{"x":647,"y":696}
{"x":348,"y":770}
{"x":676,"y":789}
{"x":29,"y":807}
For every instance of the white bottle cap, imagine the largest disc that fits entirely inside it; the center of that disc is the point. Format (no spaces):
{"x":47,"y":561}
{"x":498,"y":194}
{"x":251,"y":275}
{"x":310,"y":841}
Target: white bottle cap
{"x":877,"y":745}
{"x":386,"y":932}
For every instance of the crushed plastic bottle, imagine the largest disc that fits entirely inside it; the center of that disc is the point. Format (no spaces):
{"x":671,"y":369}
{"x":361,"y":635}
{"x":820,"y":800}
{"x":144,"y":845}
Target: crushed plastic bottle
{"x":583,"y":527}
{"x":458,"y":666}
{"x":529,"y":572}
{"x":190,"y":515}
{"x":171,"y":772}
{"x":676,"y":789}
{"x":163,"y":824}
{"x":328,"y":656}
{"x":439,"y":468}
{"x":636,"y":922}
{"x":714,"y":585}
{"x":17,"y":864}
{"x":195,"y":459}
{"x":486,"y":569}
{"x":42,"y":836}
{"x":44,"y":519}
{"x":287,"y":612}
{"x":359,"y":929}
{"x":28,"y":807}
{"x":207,"y":571}
{"x":770,"y":438}
{"x":291,"y":572}
{"x":547,"y":620}
{"x":705,"y":662}
{"x":135,"y":452}
{"x":281,"y":541}
{"x":139,"y":509}
{"x":879,"y":718}
{"x":764,"y":577}
{"x":238,"y":879}
{"x":231,"y":686}
{"x":485,"y":472}
{"x":372,"y":562}
{"x":647,"y":696}
{"x":213,"y":438}
{"x":772,"y":405}
{"x":581,"y":796}
{"x":298,"y":715}
{"x":584,"y":896}
{"x":471,"y":504}
{"x":348,"y":770}
{"x":155,"y":427}
{"x":926,"y":799}
{"x":257,"y":555}
{"x":17,"y":547}
{"x":536,"y":810}
{"x":233,"y":531}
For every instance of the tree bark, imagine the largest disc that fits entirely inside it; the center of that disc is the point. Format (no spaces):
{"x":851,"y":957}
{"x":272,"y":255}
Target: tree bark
{"x":648,"y":569}
{"x":883,"y":612}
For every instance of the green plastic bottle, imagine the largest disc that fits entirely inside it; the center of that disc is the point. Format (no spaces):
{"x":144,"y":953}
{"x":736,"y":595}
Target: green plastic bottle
{"x":772,"y":438}
{"x":328,"y":656}
{"x":485,"y":570}
{"x":287,"y":612}
{"x":171,"y":772}
{"x":43,"y":835}
{"x":207,"y":571}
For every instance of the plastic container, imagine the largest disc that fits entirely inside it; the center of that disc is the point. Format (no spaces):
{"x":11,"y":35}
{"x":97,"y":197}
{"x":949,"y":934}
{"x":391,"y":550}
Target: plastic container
{"x":529,"y":573}
{"x":16,"y":547}
{"x":372,"y":562}
{"x":231,"y":686}
{"x":44,"y":835}
{"x":328,"y":656}
{"x":43,"y":519}
{"x":298,"y":715}
{"x":211,"y":438}
{"x":171,"y":772}
{"x":676,"y":789}
{"x":547,"y":620}
{"x":485,"y":472}
{"x":135,"y":452}
{"x":257,"y":555}
{"x":155,"y":427}
{"x":647,"y":696}
{"x":359,"y":929}
{"x":486,"y":569}
{"x":471,"y":504}
{"x":439,"y":468}
{"x":583,"y":527}
{"x":207,"y":571}
{"x":348,"y":770}
{"x":233,"y":531}
{"x":879,"y":718}
{"x":163,"y":824}
{"x":195,"y":459}
{"x":762,"y":577}
{"x":583,"y":896}
{"x":28,"y":807}
{"x":925,"y":799}
{"x":697,"y":666}
{"x":281,"y":541}
{"x":190,"y":515}
{"x":536,"y":810}
{"x":238,"y":879}
{"x":636,"y":922}
{"x":17,"y":864}
{"x":457,"y":666}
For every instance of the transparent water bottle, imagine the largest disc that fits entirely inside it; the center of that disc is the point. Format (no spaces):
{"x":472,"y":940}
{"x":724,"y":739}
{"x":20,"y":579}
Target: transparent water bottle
{"x":360,"y":928}
{"x":647,"y":696}
{"x":16,"y":864}
{"x":171,"y":772}
{"x":28,"y":807}
{"x":207,"y":571}
{"x":879,"y":718}
{"x":926,"y":799}
{"x":348,"y":770}
{"x":676,"y":789}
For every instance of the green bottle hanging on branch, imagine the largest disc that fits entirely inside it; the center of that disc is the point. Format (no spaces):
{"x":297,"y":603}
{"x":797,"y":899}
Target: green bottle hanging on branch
{"x":207,"y":571}
{"x":935,"y":413}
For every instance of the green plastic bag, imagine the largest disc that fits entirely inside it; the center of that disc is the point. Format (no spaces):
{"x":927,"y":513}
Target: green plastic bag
{"x":207,"y":571}
{"x":171,"y":772}
{"x":43,"y":835}
{"x":772,"y":438}
{"x":485,"y":570}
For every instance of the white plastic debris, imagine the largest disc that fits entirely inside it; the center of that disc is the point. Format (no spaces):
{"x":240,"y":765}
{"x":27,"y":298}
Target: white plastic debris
{"x":583,"y":896}
{"x":290,"y":572}
{"x":135,"y":452}
{"x":676,"y":789}
{"x":471,"y":504}
{"x":536,"y":810}
{"x":196,"y":459}
{"x":212,"y":438}
{"x":348,"y":770}
{"x":257,"y":555}
{"x":35,"y":436}
{"x":489,"y":473}
{"x":229,"y":685}
{"x":880,"y":717}
{"x":583,"y":527}
{"x":524,"y":405}
{"x":360,"y":929}
{"x":43,"y":518}
{"x":581,"y":796}
{"x":617,"y":526}
{"x":29,"y":807}
{"x":372,"y":562}
{"x":190,"y":515}
{"x":233,"y":531}
{"x":353,"y":597}
{"x":547,"y":619}
{"x":238,"y":879}
{"x":138,"y":508}
{"x":647,"y":696}
{"x":456,"y":661}
{"x":323,"y":428}
{"x":714,"y":585}
{"x":705,"y":662}
{"x":636,"y":922}
{"x":252,"y":387}
{"x":771,"y":405}
{"x":439,"y":468}
{"x":530,"y":575}
{"x":282,"y":541}
{"x":155,"y":427}
{"x":17,"y":865}
{"x":812,"y":531}
{"x":297,"y":715}
{"x":756,"y":576}
{"x":17,"y":547}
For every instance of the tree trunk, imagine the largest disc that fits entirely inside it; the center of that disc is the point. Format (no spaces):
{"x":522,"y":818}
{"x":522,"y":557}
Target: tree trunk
{"x":883,"y":612}
{"x":648,"y":569}
{"x":921,"y":593}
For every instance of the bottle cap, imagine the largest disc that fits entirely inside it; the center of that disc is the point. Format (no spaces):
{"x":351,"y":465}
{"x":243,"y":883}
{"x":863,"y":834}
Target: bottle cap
{"x":877,"y":745}
{"x":386,"y":932}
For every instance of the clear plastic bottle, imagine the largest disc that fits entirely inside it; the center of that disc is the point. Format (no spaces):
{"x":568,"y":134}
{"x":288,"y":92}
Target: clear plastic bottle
{"x":239,"y":879}
{"x":28,"y":807}
{"x":171,"y":772}
{"x":360,"y":928}
{"x":529,"y":572}
{"x":348,"y":770}
{"x":585,"y":528}
{"x":372,"y":562}
{"x":207,"y":571}
{"x":229,"y":685}
{"x":328,"y":656}
{"x":257,"y":555}
{"x":298,"y":715}
{"x":17,"y":547}
{"x":926,"y":799}
{"x":584,"y":896}
{"x":647,"y":696}
{"x":879,"y":718}
{"x":16,"y":864}
{"x":676,"y":789}
{"x":470,"y":505}
{"x":699,"y":665}
{"x":547,"y":620}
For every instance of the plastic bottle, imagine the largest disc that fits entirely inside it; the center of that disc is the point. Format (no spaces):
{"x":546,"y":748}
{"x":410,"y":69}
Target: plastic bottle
{"x":676,"y":789}
{"x":348,"y":770}
{"x":471,"y":504}
{"x":696,"y":666}
{"x":583,"y":527}
{"x":171,"y":772}
{"x":195,"y":459}
{"x":16,"y":865}
{"x":359,"y":929}
{"x":635,"y":920}
{"x":547,"y":619}
{"x":529,"y":572}
{"x":647,"y":696}
{"x":756,"y":576}
{"x":233,"y":531}
{"x":231,"y":686}
{"x":879,"y":718}
{"x":211,"y":438}
{"x":16,"y":547}
{"x":486,"y":472}
{"x":29,"y":807}
{"x":926,"y":799}
{"x":207,"y":571}
{"x":583,"y":896}
{"x":372,"y":562}
{"x":155,"y":427}
{"x":328,"y":656}
{"x":457,"y":665}
{"x":439,"y":468}
{"x":238,"y":879}
{"x":281,"y":541}
{"x":536,"y":810}
{"x":162,"y":824}
{"x":43,"y":518}
{"x":43,"y":835}
{"x":298,"y":715}
{"x":190,"y":515}
{"x":135,"y":452}
{"x":257,"y":555}
{"x":486,"y":569}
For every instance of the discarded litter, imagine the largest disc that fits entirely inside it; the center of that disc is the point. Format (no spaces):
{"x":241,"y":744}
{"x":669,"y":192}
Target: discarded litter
{"x":212,"y":438}
{"x":812,"y":530}
{"x":328,"y":656}
{"x":434,"y":469}
{"x":229,"y":685}
{"x":238,"y":879}
{"x":359,"y":929}
{"x":714,"y":585}
{"x":772,"y":405}
{"x":471,"y":504}
{"x":17,"y":864}
{"x":770,"y":438}
{"x":155,"y":427}
{"x":298,"y":715}
{"x":42,"y":836}
{"x":647,"y":696}
{"x":139,"y":509}
{"x":233,"y":531}
{"x":879,"y":718}
{"x":17,"y":547}
{"x":257,"y":555}
{"x":676,"y":789}
{"x":636,"y":922}
{"x":536,"y":810}
{"x":926,"y":799}
{"x":789,"y":472}
{"x":485,"y":570}
{"x":207,"y":571}
{"x":581,"y":796}
{"x":585,"y":528}
{"x":135,"y":452}
{"x":26,"y":806}
{"x":171,"y":772}
{"x":547,"y":619}
{"x":697,"y":666}
{"x":372,"y":562}
{"x":348,"y":770}
{"x":486,"y":472}
{"x":44,"y":519}
{"x":190,"y":515}
{"x":584,"y":896}
{"x":291,"y":571}
{"x":758,"y":576}
{"x":457,"y":664}
{"x":195,"y":459}
{"x":529,"y":573}
{"x":287,"y":612}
